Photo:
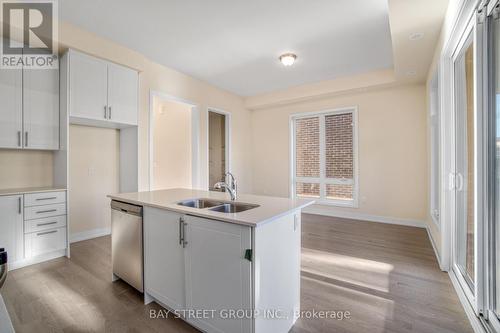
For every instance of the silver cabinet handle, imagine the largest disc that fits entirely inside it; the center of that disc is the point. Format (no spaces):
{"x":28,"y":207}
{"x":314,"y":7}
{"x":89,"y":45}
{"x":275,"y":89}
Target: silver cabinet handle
{"x":49,"y":198}
{"x":19,"y":205}
{"x":26,"y":139}
{"x":184,"y":241}
{"x":19,"y":139}
{"x":109,"y":107}
{"x":105,"y":112}
{"x":47,"y":223}
{"x":46,"y":233}
{"x":46,"y":211}
{"x":181,"y":221}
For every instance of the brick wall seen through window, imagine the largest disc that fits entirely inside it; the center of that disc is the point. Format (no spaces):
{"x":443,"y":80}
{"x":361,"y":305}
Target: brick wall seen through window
{"x":326,"y":138}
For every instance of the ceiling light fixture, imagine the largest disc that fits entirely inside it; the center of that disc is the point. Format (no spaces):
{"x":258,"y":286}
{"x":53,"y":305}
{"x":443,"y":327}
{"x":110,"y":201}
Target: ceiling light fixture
{"x":416,"y":36}
{"x":288,"y":59}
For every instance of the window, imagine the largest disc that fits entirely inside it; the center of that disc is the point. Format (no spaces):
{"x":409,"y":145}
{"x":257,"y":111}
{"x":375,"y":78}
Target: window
{"x":324,"y":157}
{"x":435,"y":123}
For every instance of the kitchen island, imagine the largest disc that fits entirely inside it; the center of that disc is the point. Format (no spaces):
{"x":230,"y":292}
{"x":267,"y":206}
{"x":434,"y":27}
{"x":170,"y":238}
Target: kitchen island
{"x":222,"y":266}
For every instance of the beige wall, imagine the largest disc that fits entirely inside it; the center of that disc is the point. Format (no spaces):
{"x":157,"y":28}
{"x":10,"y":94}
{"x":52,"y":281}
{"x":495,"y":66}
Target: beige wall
{"x":25,"y":168}
{"x":172,"y":145}
{"x":93,"y":165}
{"x":159,"y":78}
{"x":392,"y":149}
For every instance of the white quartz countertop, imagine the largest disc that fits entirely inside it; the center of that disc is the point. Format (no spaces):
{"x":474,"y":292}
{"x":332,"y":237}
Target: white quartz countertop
{"x":22,"y":190}
{"x":269,"y":208}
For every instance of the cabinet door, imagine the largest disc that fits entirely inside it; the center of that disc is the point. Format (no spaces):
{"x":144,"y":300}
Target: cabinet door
{"x":11,"y":113}
{"x":11,"y":227}
{"x":122,"y":94}
{"x":41,"y":108}
{"x":163,"y":257}
{"x":88,"y":87}
{"x":218,"y":276}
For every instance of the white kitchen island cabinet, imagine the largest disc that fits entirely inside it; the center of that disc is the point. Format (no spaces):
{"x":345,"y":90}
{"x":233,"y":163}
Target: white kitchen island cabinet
{"x":164,"y":257}
{"x":218,"y":276}
{"x":222,"y":272}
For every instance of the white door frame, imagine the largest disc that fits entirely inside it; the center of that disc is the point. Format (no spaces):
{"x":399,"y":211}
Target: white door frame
{"x":466,"y":24}
{"x":228,"y":129}
{"x":490,"y":314}
{"x":447,"y":137}
{"x":195,"y":135}
{"x":467,"y":36}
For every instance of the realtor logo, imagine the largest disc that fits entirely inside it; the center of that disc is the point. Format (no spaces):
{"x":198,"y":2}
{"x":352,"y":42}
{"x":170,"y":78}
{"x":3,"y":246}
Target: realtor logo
{"x":30,"y":34}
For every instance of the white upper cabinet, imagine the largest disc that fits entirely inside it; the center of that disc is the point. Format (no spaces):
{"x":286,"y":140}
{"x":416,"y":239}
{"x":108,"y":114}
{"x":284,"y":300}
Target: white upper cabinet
{"x":29,"y":115}
{"x":41,"y":108}
{"x":11,"y":112}
{"x":88,"y":87}
{"x":101,"y":93}
{"x":122,"y":94}
{"x":11,"y":227}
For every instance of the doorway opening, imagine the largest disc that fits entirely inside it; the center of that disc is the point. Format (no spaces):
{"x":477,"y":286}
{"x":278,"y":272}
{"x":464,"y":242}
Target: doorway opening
{"x":219,"y":134}
{"x":174,"y":142}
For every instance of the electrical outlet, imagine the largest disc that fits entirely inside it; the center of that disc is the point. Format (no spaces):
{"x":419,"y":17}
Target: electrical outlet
{"x":91,"y":171}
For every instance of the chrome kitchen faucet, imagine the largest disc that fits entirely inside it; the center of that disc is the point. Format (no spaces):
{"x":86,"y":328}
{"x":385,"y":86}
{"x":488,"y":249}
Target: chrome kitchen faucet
{"x":232,"y":188}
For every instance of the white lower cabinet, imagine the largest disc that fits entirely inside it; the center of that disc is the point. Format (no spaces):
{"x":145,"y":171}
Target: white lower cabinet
{"x":164,"y":257}
{"x":33,"y":234}
{"x":37,"y":243}
{"x":11,"y":227}
{"x":193,"y":263}
{"x":44,"y":223}
{"x":218,"y":277}
{"x":38,"y":212}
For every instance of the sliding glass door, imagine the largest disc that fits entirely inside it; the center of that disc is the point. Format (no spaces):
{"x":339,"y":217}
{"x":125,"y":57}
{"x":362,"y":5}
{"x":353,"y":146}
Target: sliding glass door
{"x":465,"y":152}
{"x":475,"y":180}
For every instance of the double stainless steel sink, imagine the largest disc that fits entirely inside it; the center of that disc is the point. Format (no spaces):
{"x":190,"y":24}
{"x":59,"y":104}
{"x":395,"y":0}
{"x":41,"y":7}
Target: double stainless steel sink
{"x":218,"y":206}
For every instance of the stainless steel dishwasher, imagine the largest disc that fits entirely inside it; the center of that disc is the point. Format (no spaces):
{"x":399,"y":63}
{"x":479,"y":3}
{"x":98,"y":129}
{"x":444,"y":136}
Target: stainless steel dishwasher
{"x":126,"y":243}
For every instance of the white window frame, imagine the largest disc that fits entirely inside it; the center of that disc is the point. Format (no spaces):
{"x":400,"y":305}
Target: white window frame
{"x":322,"y":180}
{"x":435,"y":149}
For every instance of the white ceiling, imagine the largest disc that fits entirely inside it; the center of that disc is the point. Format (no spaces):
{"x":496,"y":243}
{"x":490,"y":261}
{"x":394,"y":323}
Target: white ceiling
{"x":235,"y":44}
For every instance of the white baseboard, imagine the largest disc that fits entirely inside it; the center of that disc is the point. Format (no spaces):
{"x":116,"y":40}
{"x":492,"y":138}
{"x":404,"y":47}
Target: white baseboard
{"x":89,"y":234}
{"x":434,"y":247}
{"x":475,"y":322}
{"x":38,"y":259}
{"x":329,"y":211}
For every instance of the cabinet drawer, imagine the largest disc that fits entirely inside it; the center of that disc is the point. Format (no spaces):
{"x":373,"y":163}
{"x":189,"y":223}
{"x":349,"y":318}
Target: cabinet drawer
{"x":46,"y":198}
{"x":44,"y":224}
{"x":37,"y":243}
{"x":38,"y":212}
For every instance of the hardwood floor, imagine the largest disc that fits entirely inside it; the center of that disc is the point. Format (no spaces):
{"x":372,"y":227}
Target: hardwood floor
{"x":386,"y":276}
